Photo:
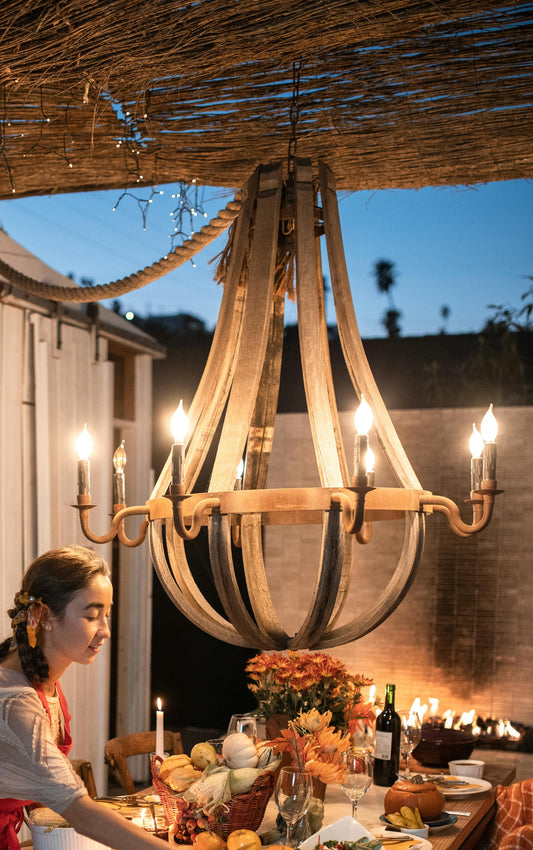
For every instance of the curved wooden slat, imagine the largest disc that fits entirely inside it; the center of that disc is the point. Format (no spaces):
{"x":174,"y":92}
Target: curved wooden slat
{"x":327,"y":583}
{"x":227,"y":585}
{"x":352,"y":346}
{"x":314,"y":349}
{"x":203,"y":616}
{"x":393,"y":594}
{"x":215,"y":383}
{"x":261,"y":432}
{"x":348,"y":545}
{"x":255,"y":331}
{"x":254,"y":568}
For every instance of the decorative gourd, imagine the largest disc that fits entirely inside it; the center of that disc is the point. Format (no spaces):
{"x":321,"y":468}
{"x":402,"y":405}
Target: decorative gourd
{"x":238,"y":750}
{"x":242,"y":779}
{"x":426,"y":797}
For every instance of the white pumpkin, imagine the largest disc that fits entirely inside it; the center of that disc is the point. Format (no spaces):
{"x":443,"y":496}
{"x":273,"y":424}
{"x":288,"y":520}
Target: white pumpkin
{"x":238,"y":750}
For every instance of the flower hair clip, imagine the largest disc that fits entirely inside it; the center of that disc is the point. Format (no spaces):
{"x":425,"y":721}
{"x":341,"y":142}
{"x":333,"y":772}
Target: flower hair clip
{"x":30,"y":613}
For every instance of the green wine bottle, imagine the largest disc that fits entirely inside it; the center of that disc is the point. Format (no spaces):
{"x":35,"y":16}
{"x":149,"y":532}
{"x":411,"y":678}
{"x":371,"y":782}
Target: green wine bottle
{"x":387,"y":749}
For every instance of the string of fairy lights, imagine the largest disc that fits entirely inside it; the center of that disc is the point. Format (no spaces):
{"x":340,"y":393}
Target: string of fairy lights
{"x":189,"y":197}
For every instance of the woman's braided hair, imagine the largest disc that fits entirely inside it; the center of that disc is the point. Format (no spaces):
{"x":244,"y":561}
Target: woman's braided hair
{"x":54,"y":579}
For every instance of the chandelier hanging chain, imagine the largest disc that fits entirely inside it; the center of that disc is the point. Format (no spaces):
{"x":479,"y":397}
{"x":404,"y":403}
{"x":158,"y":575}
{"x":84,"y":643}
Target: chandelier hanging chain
{"x":294,"y":116}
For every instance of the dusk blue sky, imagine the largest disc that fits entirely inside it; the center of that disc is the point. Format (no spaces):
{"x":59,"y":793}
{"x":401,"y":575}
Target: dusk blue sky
{"x":461,"y":247}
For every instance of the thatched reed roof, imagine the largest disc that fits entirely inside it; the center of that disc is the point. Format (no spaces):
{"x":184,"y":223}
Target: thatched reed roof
{"x":101,"y":94}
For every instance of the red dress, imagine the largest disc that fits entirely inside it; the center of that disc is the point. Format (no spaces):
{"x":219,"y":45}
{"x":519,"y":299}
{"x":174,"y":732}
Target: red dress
{"x":11,"y":810}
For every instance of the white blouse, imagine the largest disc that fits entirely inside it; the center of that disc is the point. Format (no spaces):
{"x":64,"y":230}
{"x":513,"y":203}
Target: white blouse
{"x":31,"y":765}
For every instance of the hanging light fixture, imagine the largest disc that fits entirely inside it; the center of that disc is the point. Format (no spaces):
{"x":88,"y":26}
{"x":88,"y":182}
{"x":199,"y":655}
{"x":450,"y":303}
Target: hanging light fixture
{"x":238,"y":391}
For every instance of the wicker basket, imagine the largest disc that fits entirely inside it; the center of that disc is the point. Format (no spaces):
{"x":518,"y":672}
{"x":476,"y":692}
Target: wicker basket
{"x":243,"y":811}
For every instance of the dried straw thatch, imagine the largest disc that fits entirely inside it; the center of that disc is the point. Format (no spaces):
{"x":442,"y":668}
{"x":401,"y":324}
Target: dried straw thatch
{"x":111,"y":93}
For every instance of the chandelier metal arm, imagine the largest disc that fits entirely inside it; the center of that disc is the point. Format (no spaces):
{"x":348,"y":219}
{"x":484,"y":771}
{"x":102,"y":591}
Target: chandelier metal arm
{"x":177,"y":495}
{"x":327,"y":584}
{"x":393,"y":594}
{"x":117,"y":524}
{"x":353,"y":514}
{"x":255,"y":332}
{"x":314,"y":345}
{"x":482,"y":508}
{"x":227,"y":585}
{"x":352,"y":346}
{"x":185,"y":595}
{"x":364,"y":535}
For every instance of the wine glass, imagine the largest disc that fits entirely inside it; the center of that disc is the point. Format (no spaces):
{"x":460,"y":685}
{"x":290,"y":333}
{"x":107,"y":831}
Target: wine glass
{"x":243,"y":723}
{"x":293,"y":797}
{"x":358,"y":776}
{"x":411,"y":734}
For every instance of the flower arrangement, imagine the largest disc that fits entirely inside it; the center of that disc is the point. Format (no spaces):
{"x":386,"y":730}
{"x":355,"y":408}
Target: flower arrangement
{"x":293,"y":682}
{"x":315,"y":745}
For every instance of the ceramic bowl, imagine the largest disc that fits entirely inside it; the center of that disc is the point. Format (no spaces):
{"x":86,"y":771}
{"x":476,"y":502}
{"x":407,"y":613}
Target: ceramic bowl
{"x":440,"y":746}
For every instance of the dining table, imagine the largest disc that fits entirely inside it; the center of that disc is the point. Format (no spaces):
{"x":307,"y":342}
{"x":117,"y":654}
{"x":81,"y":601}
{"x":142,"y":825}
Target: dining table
{"x":474,"y":812}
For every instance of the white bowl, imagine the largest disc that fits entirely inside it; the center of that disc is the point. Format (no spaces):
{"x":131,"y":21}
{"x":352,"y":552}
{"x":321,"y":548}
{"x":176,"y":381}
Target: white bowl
{"x":61,"y":838}
{"x":418,"y":833}
{"x":467,"y":767}
{"x":345,"y":829}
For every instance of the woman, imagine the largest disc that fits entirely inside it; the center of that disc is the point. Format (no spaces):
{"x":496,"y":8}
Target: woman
{"x":60,"y":616}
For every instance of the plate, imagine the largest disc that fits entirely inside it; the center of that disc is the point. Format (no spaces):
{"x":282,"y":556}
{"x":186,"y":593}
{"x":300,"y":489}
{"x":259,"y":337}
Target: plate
{"x":421,"y":843}
{"x":472,"y":786}
{"x":445,"y":819}
{"x":345,"y":829}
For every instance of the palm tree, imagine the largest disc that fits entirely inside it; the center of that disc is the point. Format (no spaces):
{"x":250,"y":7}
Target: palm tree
{"x":385,"y":274}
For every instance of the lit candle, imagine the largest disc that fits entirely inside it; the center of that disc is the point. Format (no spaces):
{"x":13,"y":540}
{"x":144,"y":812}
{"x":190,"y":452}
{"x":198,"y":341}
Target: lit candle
{"x":119,"y":481}
{"x":178,"y":426}
{"x":159,"y":731}
{"x":362,"y":421}
{"x":476,"y":464}
{"x":489,"y":430}
{"x":84,"y":445}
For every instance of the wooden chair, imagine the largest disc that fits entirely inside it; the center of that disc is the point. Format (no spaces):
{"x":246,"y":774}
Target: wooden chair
{"x":117,"y":750}
{"x":84,"y":769}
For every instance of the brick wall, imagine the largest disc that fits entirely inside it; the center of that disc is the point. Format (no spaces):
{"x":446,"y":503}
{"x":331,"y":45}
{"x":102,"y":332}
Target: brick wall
{"x":464,"y":633}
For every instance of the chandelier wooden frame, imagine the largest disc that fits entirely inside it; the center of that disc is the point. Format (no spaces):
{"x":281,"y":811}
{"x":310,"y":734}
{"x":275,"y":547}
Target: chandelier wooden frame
{"x":240,"y":384}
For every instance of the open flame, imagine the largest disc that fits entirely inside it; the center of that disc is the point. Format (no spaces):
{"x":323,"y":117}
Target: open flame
{"x":467,"y":721}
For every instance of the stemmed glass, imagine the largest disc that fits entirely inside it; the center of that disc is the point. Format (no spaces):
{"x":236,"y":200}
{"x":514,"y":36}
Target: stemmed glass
{"x":243,"y":723}
{"x":410,"y":736}
{"x":358,"y":776}
{"x":293,"y":797}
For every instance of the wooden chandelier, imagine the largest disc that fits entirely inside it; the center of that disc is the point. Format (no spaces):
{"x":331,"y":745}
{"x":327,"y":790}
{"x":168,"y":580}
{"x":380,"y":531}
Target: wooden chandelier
{"x":239,"y":391}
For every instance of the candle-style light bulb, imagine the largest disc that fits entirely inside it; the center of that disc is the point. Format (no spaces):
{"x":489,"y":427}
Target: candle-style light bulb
{"x":238,"y":478}
{"x":489,"y":430}
{"x":476,"y":444}
{"x":84,"y":445}
{"x":489,"y":426}
{"x":119,"y":458}
{"x":362,"y":421}
{"x":119,"y":479}
{"x":178,"y":426}
{"x":363,"y":417}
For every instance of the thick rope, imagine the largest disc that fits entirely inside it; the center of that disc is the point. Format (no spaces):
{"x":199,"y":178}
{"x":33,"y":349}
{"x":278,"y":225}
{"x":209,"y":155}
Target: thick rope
{"x":172,"y":260}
